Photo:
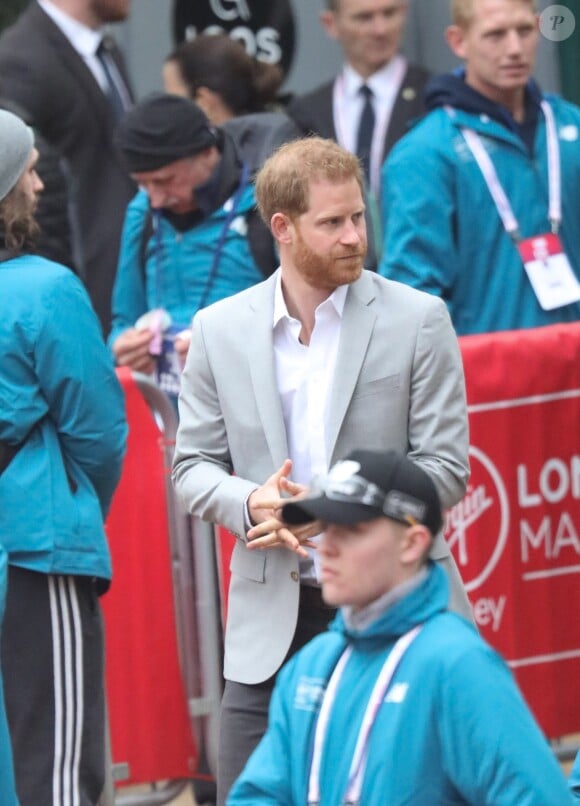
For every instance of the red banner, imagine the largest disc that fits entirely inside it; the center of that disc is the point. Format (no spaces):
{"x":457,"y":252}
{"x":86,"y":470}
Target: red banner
{"x":516,"y":536}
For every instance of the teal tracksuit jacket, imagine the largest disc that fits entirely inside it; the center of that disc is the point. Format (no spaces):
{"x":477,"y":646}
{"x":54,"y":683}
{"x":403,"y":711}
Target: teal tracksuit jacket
{"x":442,"y":232}
{"x":60,"y":397}
{"x":452,"y":728}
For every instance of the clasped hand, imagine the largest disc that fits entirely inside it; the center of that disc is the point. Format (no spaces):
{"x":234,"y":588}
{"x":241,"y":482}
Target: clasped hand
{"x":264,"y":505}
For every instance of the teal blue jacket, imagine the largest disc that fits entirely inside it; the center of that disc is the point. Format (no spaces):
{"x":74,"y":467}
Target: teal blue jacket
{"x":452,"y":729}
{"x":177,"y":264}
{"x":60,"y":397}
{"x":442,"y":232}
{"x":574,"y":780}
{"x":7,"y":784}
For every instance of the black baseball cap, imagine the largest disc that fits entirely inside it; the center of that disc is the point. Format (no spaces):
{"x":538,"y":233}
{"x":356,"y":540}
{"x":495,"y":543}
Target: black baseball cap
{"x":367,"y":485}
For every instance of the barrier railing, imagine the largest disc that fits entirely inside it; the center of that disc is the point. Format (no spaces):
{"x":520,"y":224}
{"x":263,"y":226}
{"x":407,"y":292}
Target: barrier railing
{"x":515,"y":537}
{"x":163,"y":636}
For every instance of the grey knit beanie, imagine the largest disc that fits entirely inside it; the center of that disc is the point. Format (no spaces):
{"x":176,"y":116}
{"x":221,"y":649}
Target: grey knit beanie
{"x":16,"y":144}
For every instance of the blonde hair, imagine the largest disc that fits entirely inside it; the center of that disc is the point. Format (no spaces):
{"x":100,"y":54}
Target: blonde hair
{"x":283,"y":182}
{"x":462,"y":11}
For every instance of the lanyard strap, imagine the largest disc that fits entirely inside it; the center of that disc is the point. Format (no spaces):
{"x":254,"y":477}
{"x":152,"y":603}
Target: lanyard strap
{"x":359,"y":759}
{"x":491,"y":178}
{"x":231,"y":214}
{"x":231,"y":207}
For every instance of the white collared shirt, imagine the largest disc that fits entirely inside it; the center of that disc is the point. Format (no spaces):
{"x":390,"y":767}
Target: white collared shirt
{"x":348,"y":104}
{"x":304,"y":376}
{"x":83,"y":39}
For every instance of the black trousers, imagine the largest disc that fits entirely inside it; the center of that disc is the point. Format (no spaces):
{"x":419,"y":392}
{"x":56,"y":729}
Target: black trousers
{"x":244,"y":708}
{"x":52,"y":663}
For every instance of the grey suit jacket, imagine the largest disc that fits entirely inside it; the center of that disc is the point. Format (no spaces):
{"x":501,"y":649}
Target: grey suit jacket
{"x":398,"y":384}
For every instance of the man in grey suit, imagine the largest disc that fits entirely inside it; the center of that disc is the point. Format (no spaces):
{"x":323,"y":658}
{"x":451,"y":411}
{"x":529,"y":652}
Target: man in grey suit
{"x":282,"y":380}
{"x":70,"y":81}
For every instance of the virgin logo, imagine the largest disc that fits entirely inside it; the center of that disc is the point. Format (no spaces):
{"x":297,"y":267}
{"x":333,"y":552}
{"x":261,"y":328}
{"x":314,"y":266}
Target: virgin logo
{"x":476,"y":529}
{"x":228,"y":10}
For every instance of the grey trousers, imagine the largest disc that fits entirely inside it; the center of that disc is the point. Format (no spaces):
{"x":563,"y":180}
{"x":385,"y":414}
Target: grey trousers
{"x":244,"y":708}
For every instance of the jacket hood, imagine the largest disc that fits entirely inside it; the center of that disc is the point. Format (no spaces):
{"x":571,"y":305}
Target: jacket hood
{"x":213,"y":194}
{"x":451,"y":90}
{"x":422,"y":603}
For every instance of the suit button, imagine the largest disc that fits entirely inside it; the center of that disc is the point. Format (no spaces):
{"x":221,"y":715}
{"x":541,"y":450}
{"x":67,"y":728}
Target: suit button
{"x":295,"y":576}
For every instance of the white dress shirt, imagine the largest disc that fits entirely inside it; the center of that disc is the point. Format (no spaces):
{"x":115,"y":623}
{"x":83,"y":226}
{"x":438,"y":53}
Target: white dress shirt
{"x":86,"y":42}
{"x":304,"y":376}
{"x":348,"y":103}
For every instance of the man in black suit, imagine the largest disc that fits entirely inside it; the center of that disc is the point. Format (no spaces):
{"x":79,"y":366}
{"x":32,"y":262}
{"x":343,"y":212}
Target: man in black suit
{"x":73,"y":89}
{"x":376,"y":76}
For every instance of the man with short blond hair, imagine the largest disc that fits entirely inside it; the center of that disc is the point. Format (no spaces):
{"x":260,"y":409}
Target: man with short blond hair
{"x":285,"y":378}
{"x":463,"y":11}
{"x":479,"y":198}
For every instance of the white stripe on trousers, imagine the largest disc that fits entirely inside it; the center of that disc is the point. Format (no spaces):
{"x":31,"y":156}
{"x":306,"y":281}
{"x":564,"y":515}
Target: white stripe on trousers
{"x":67,"y":648}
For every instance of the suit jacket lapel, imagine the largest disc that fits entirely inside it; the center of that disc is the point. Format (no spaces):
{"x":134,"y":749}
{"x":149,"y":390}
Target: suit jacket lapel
{"x":262,"y":369}
{"x":75,"y":66}
{"x":327,"y":112}
{"x":408,"y":105}
{"x":358,"y":322}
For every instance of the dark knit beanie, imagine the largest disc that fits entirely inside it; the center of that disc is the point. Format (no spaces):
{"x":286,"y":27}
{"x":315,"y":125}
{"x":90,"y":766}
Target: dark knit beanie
{"x":161,"y":129}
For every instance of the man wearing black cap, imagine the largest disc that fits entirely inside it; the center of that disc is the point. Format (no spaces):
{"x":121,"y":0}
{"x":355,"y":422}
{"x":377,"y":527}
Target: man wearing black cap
{"x":191,"y":235}
{"x":400,"y":701}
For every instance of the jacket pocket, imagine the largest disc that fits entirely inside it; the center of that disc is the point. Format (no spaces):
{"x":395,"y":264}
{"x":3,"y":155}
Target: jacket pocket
{"x":377,"y":387}
{"x":248,"y":564}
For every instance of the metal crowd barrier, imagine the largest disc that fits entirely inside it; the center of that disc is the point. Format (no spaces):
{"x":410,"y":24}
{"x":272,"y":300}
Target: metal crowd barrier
{"x":196,"y":603}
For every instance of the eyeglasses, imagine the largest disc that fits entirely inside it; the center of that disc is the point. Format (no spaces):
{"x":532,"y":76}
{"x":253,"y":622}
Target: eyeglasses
{"x":357,"y":490}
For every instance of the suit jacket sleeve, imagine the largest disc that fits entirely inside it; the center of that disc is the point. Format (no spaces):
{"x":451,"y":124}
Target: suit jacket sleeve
{"x":438,"y":424}
{"x":202,"y":466}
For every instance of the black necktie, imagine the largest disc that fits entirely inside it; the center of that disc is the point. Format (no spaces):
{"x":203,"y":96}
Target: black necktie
{"x":366,"y":127}
{"x":116,"y":92}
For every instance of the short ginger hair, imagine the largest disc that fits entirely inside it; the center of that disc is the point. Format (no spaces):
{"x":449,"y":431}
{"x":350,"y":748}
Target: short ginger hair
{"x":283,"y":182}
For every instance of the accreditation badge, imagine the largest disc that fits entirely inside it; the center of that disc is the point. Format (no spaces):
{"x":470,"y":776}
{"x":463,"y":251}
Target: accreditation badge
{"x":549,"y":271}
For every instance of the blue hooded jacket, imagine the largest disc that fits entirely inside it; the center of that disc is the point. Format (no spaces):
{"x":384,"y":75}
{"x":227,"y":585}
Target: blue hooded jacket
{"x":574,"y":780}
{"x":452,"y":728}
{"x":61,"y":400}
{"x":443,"y":233}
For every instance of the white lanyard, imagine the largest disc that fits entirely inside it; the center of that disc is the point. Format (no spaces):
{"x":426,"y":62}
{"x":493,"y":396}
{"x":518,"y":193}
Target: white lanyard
{"x":359,"y":760}
{"x":491,"y":178}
